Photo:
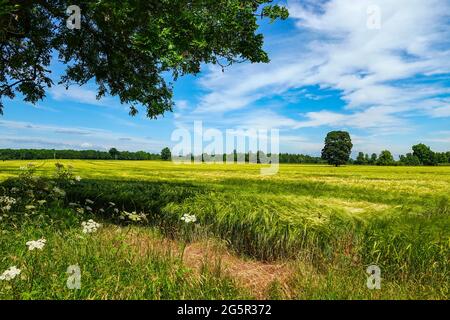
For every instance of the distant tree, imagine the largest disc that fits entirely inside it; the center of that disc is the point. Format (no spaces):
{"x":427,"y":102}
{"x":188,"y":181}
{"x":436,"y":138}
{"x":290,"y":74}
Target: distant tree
{"x":425,"y":154}
{"x":166,"y":154}
{"x":409,"y":160}
{"x":440,"y":157}
{"x":385,"y":159}
{"x":360,"y":159}
{"x":373,"y":159}
{"x":338,"y":147}
{"x":114,"y":153}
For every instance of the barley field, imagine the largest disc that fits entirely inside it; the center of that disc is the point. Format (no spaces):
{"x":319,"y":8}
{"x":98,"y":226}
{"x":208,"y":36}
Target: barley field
{"x":208,"y":231}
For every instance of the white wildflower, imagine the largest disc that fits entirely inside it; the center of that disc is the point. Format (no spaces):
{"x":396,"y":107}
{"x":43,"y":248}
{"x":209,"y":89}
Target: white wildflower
{"x":88,"y":201}
{"x":59,"y":191}
{"x":7,"y":200}
{"x":188,"y":218}
{"x":42,"y":202}
{"x":30,"y":207}
{"x":112,"y":204}
{"x":88,"y":208}
{"x":10,"y":273}
{"x":133,"y":216}
{"x":38,"y":244}
{"x":90,"y":226}
{"x":78,"y":178}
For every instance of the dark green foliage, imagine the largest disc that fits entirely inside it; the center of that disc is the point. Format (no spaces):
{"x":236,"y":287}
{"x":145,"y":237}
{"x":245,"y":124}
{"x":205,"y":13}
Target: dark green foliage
{"x":424,"y":154}
{"x":373,"y":159}
{"x":409,"y":160}
{"x":362,"y":159}
{"x":34,"y":154}
{"x":338,"y":147}
{"x":166,"y":154}
{"x":126,"y":46}
{"x":114,"y":153}
{"x":385,"y":158}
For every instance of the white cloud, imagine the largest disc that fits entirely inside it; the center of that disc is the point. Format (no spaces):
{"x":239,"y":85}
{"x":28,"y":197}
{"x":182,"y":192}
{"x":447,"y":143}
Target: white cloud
{"x":375,"y":70}
{"x":34,"y":135}
{"x":79,"y":95}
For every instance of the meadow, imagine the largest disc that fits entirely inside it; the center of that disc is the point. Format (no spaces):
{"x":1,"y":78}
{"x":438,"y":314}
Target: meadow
{"x":309,"y":232}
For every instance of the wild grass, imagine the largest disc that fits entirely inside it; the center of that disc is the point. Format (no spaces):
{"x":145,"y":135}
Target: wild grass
{"x":333,"y":221}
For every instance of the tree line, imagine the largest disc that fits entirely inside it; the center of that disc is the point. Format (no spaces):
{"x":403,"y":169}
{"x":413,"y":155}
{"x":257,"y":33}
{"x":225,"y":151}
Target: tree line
{"x":41,"y":154}
{"x":338,"y":148}
{"x":337,"y":151}
{"x":421,"y":155}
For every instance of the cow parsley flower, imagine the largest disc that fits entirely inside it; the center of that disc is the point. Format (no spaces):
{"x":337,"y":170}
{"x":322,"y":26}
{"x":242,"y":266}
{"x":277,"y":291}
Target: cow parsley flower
{"x":59,"y":192}
{"x":10,"y":273}
{"x":189,"y":218}
{"x":133,"y":216}
{"x":38,"y":244}
{"x":90,"y":226}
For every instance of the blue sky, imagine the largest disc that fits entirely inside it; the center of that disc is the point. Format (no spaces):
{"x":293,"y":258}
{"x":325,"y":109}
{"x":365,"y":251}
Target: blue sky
{"x":333,"y":68}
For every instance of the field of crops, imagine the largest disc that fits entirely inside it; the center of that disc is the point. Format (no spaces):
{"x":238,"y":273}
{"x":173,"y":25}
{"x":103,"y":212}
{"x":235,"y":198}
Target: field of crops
{"x":308,"y":232}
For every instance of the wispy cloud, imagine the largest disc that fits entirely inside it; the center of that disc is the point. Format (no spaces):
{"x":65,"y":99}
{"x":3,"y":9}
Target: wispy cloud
{"x":33,"y":135}
{"x":80,"y":95}
{"x":382,"y":75}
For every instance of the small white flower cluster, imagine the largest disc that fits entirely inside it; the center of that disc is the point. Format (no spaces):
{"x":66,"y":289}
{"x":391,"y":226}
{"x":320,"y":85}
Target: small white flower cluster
{"x":10,"y":273}
{"x":90,"y":226}
{"x":189,"y":218}
{"x":59,"y":192}
{"x":78,"y":178}
{"x":7,"y":202}
{"x":38,"y":244}
{"x":133,"y":216}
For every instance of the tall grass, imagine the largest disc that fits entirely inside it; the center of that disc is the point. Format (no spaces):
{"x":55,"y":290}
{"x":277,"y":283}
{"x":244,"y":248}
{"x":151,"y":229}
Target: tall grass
{"x":338,"y":220}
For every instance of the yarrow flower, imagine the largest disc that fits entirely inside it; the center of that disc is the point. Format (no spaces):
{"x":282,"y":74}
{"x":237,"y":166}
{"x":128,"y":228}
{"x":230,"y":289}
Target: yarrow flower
{"x":7,"y":202}
{"x":133,"y":216}
{"x":189,"y":218}
{"x":10,"y":273}
{"x":38,"y":244}
{"x":90,"y":226}
{"x":59,"y":192}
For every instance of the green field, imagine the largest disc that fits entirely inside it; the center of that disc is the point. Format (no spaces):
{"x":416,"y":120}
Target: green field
{"x":308,"y":232}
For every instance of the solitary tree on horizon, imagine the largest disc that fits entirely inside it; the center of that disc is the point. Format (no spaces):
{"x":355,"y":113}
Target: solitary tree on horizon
{"x":166,"y":154}
{"x":338,"y":147}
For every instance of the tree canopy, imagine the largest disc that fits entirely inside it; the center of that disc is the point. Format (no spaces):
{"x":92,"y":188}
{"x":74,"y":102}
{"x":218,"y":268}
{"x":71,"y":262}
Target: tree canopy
{"x":385,"y":158}
{"x":166,"y":154}
{"x":425,"y":155}
{"x":127,"y":47}
{"x":338,"y":147}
